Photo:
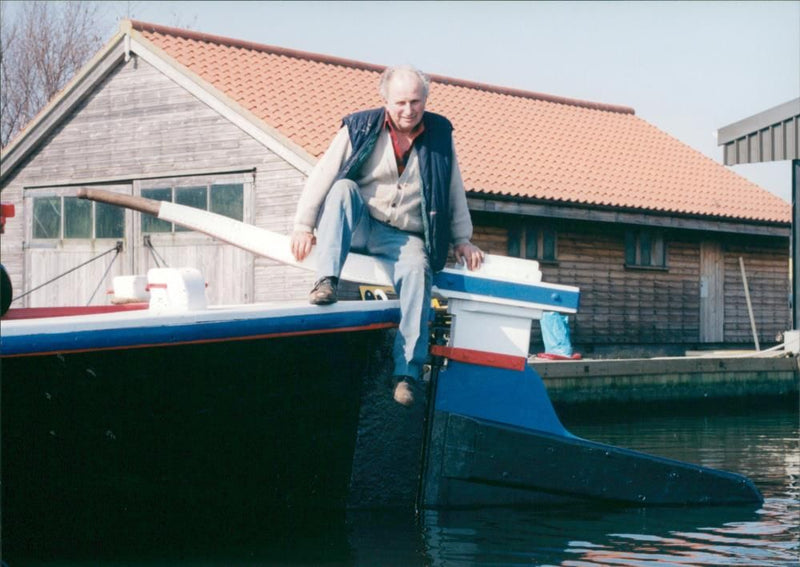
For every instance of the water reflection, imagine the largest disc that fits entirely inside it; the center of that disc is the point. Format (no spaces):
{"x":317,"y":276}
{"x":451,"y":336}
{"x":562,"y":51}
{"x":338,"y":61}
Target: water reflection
{"x":762,"y":445}
{"x":722,"y":536}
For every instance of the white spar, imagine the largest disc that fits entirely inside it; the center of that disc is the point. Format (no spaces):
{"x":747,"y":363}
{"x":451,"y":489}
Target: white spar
{"x":357,"y":267}
{"x":259,"y":241}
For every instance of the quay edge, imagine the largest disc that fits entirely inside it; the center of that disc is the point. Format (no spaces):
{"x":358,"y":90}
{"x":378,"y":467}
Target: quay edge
{"x":681,"y":379}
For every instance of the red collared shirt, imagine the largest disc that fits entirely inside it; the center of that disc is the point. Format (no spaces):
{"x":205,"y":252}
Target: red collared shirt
{"x":401,"y":150}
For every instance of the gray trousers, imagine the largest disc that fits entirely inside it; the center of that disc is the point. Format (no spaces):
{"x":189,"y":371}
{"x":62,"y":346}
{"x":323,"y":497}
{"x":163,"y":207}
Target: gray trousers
{"x":345,"y":224}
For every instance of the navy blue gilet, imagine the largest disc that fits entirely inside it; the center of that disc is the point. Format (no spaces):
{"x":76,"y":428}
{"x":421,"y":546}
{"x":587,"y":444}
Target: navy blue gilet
{"x":435,"y":152}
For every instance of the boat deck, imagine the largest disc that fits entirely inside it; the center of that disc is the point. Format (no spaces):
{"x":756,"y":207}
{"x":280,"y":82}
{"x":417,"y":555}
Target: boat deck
{"x":132,"y":328}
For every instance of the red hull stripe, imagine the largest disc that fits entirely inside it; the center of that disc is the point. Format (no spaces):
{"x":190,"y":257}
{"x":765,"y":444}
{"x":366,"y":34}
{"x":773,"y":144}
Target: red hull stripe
{"x":493,"y":359}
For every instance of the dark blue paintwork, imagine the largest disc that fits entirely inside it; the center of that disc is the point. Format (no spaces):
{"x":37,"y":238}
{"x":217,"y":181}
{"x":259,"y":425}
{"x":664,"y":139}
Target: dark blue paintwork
{"x":496,"y":394}
{"x":153,"y":332}
{"x":530,"y":293}
{"x":495,"y":439}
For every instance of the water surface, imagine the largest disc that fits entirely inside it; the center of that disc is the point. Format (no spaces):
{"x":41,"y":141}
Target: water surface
{"x":757,"y":440}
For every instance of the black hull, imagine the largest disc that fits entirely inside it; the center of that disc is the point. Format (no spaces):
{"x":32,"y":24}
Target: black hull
{"x":233,"y":435}
{"x":494,"y":439}
{"x":224,"y":438}
{"x":488,"y":464}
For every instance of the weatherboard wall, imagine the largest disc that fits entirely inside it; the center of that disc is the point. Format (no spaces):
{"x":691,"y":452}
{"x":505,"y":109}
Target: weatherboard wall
{"x":624,"y":308}
{"x":139,"y":129}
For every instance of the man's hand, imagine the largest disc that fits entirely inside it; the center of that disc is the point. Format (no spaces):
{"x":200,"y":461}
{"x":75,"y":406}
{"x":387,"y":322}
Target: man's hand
{"x":301,"y":244}
{"x":470,"y":254}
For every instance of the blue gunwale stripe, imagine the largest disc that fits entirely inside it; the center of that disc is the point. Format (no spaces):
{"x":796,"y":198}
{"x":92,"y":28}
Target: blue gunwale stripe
{"x":153,"y":333}
{"x":530,"y":293}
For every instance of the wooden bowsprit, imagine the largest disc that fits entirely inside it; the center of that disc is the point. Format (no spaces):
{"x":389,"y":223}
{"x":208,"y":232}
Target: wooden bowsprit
{"x":259,"y":241}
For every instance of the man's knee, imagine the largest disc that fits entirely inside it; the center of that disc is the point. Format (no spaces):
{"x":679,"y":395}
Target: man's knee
{"x":418,"y":273}
{"x":343,"y":191}
{"x":415,"y":269}
{"x":414,"y":286}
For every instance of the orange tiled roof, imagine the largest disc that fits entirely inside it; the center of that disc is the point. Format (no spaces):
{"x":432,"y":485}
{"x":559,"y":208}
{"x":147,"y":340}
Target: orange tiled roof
{"x":509,"y":142}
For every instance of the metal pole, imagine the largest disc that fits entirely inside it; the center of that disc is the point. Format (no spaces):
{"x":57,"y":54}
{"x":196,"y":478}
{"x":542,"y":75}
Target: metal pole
{"x":749,"y":305}
{"x":795,"y":242}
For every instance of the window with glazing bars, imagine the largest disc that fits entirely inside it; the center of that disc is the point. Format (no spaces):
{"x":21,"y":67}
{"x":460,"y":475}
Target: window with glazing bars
{"x":532,"y":242}
{"x":645,"y":248}
{"x":222,"y":198}
{"x":73,"y":218}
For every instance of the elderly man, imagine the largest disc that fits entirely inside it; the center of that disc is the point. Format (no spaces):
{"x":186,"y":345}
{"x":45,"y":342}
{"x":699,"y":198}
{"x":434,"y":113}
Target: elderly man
{"x":389,"y":185}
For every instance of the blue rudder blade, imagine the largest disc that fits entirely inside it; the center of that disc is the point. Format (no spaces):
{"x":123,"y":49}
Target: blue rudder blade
{"x":512,"y":397}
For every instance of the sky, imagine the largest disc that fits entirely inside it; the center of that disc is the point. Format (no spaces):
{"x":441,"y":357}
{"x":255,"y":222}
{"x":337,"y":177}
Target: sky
{"x":689,"y":68}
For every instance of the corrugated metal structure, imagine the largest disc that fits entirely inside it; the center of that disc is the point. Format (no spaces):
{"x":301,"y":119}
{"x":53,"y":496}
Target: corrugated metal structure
{"x":771,"y":135}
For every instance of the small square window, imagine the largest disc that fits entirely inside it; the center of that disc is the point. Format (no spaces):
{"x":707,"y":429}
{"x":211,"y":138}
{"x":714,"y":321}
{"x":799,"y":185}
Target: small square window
{"x":151,"y":223}
{"x":77,"y":218}
{"x":531,"y":243}
{"x":538,"y":243}
{"x":645,"y":248}
{"x":47,"y":217}
{"x":228,"y":200}
{"x":109,"y":221}
{"x":514,"y":241}
{"x":548,"y":244}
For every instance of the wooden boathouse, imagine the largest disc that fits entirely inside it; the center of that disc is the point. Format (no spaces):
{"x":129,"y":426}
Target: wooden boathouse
{"x":654,"y":233}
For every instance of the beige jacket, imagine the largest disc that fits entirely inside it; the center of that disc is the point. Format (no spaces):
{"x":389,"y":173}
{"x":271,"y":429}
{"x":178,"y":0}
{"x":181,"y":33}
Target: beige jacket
{"x":391,"y":198}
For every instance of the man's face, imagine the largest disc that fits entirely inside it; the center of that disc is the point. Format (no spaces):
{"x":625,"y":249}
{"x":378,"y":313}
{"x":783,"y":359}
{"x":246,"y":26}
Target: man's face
{"x":405,"y":100}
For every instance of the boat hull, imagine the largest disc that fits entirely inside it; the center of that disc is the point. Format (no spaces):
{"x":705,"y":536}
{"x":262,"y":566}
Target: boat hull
{"x":239,"y":432}
{"x":495,"y":440}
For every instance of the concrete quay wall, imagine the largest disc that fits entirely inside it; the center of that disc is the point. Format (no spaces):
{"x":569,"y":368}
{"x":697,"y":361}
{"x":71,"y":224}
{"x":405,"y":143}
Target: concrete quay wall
{"x":667,"y":379}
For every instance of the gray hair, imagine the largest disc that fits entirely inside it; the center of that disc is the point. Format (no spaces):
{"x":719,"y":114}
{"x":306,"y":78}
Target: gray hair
{"x":389,"y":72}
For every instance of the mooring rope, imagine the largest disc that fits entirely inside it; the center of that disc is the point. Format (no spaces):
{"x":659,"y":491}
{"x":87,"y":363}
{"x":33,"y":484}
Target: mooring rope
{"x":117,"y":248}
{"x":154,"y":253}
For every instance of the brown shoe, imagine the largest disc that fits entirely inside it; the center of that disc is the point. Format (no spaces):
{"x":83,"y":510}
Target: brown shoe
{"x":324,"y":292}
{"x":404,"y":393}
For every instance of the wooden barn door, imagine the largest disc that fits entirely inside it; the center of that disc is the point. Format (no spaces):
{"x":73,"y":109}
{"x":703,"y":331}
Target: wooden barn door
{"x":73,"y":244}
{"x":712,"y":292}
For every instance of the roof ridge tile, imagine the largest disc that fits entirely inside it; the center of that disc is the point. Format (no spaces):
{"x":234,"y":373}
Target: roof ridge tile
{"x":510,"y":143}
{"x":333,"y":60}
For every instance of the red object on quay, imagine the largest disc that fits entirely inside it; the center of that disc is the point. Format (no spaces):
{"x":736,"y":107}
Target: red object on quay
{"x":6,"y":211}
{"x":551,"y":356}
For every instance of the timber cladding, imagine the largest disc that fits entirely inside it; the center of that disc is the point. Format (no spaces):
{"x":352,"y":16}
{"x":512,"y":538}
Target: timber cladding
{"x":767,"y":274}
{"x":136,"y":130}
{"x":625,"y":305}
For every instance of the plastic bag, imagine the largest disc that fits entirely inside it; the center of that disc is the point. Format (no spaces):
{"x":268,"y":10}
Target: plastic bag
{"x":555,"y":334}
